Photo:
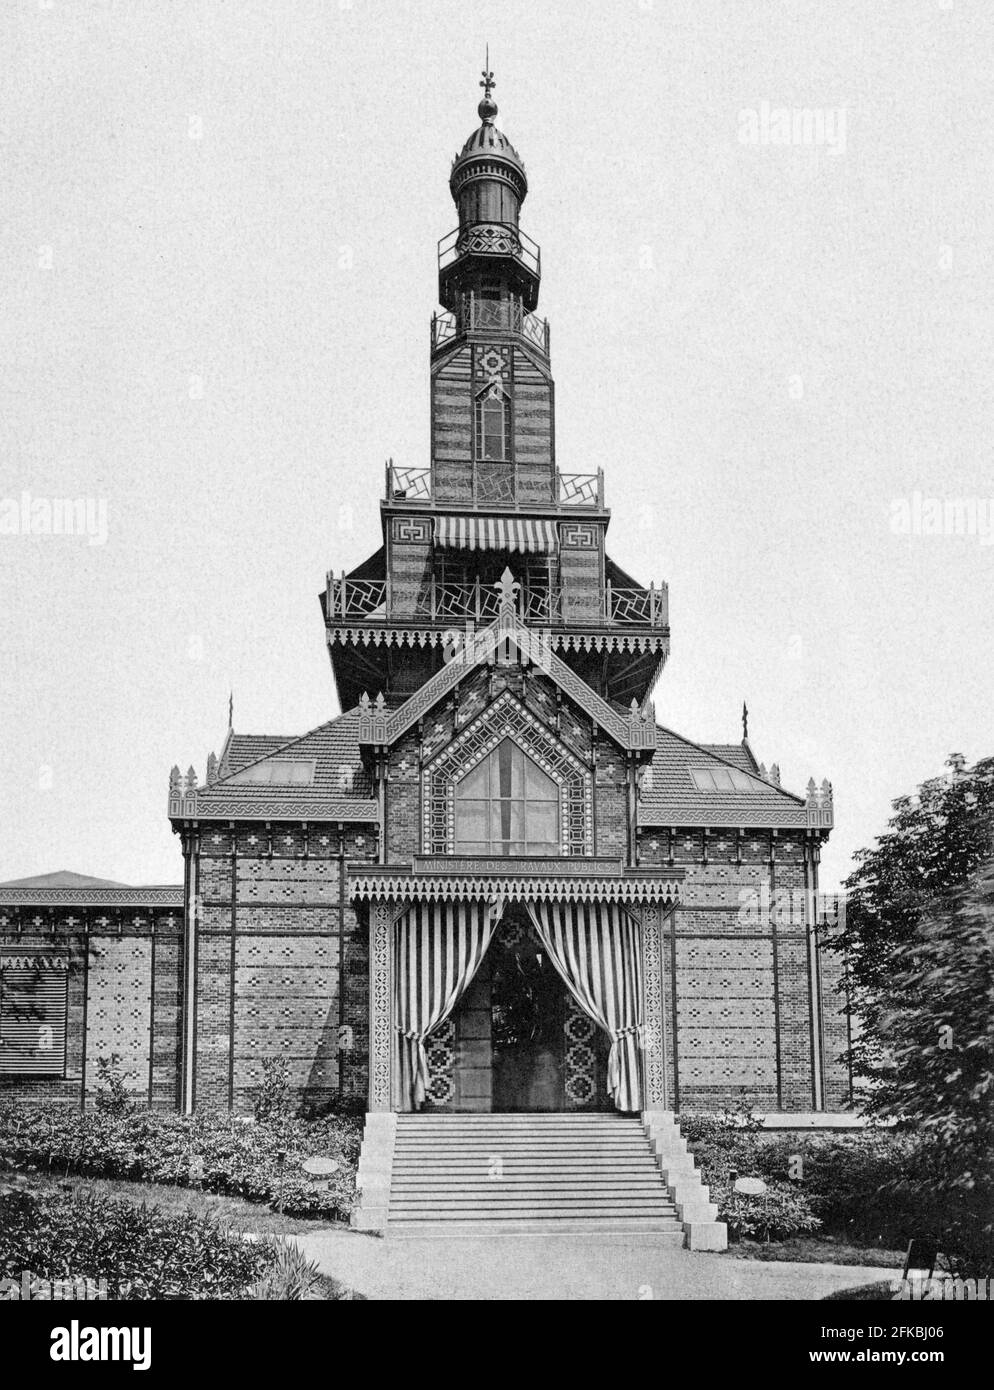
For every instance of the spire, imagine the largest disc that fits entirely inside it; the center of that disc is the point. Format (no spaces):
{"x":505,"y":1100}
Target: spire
{"x":487,"y":108}
{"x":745,"y":722}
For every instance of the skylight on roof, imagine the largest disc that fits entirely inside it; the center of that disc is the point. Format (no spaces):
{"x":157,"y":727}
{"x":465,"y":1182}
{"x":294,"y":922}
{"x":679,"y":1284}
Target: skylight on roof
{"x":723,"y":779}
{"x":277,"y":772}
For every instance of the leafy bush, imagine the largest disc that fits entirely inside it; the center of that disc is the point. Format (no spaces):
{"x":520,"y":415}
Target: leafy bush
{"x":112,"y":1093}
{"x":863,"y":1184}
{"x":218,"y":1152}
{"x":274,"y":1103}
{"x":290,"y":1277}
{"x":141,"y":1253}
{"x":781,"y":1211}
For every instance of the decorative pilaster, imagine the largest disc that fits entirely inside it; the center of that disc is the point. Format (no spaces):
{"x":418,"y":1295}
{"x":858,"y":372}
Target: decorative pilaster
{"x":381,"y":918}
{"x":654,"y":1026}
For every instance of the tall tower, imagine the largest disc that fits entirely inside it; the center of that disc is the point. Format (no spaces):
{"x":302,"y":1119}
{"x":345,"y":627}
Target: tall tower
{"x":492,"y":497}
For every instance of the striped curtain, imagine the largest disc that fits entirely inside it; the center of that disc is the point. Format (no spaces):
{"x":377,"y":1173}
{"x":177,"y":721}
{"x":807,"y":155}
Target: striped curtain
{"x":597,"y":949}
{"x":439,"y":948}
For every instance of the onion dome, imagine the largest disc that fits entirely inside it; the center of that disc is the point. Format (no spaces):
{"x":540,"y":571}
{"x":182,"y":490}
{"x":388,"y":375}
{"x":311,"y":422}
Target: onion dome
{"x":488,"y":182}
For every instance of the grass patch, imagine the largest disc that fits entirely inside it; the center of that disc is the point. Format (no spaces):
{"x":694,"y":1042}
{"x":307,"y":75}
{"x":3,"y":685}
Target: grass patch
{"x":865,"y":1293}
{"x":818,"y":1250}
{"x":177,"y":1201}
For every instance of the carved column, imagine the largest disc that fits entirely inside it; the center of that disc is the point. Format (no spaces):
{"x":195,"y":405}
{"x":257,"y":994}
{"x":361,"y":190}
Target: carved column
{"x":381,"y":919}
{"x":654,"y":1015}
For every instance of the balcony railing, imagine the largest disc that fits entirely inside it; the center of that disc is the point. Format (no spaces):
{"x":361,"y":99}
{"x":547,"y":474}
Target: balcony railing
{"x":497,"y":316}
{"x":358,"y":599}
{"x":490,"y":239}
{"x":485,"y":481}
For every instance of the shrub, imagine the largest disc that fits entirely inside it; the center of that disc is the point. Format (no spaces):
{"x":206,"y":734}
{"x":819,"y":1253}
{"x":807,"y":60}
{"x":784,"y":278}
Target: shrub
{"x":141,"y":1253}
{"x":112,"y":1094}
{"x":216,"y":1152}
{"x":291,"y":1276}
{"x":781,"y":1211}
{"x":863,"y":1184}
{"x":274,"y":1102}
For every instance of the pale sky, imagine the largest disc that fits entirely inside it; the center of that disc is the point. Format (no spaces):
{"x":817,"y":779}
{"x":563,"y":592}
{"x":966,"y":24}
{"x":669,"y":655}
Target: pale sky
{"x":218,"y":268}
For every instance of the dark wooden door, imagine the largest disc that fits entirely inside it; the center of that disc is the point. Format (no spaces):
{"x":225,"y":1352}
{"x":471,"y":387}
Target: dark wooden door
{"x":528,"y":1002}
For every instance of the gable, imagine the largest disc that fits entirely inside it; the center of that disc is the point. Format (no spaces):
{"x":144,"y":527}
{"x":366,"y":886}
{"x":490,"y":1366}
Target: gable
{"x":471,"y":650}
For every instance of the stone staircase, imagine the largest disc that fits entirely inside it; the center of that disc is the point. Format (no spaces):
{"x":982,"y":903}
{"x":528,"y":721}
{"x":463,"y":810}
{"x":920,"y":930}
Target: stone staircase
{"x":494,"y":1174}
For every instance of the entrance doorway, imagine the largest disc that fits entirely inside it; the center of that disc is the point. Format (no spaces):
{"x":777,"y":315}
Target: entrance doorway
{"x":527,"y":1014}
{"x":518,"y":1041}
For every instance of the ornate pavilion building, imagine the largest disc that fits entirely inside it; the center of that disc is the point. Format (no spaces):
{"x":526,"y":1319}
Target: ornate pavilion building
{"x":495,"y":886}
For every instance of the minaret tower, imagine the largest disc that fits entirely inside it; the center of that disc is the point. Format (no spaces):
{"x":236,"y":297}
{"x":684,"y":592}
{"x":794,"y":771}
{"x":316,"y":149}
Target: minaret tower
{"x":491,"y":497}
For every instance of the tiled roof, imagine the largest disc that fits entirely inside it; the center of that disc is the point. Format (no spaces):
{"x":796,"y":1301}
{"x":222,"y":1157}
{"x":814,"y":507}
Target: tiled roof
{"x":735,"y":753}
{"x":242,"y":749}
{"x":334,"y":746}
{"x":675,"y":800}
{"x":61,"y":878}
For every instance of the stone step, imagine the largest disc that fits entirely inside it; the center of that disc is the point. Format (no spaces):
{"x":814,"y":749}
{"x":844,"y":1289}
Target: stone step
{"x":523,"y":1211}
{"x":526,"y":1168}
{"x":552,"y":1143}
{"x":431,"y":1189}
{"x":622,"y":1228}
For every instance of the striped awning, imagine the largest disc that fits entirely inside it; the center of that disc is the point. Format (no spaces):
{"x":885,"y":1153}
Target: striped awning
{"x":495,"y":533}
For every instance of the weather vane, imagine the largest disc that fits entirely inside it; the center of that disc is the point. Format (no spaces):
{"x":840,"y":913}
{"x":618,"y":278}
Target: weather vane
{"x":488,"y":82}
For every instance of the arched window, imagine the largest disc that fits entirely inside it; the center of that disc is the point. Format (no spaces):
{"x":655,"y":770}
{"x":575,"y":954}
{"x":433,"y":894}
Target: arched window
{"x":507,"y":806}
{"x":492,"y":425}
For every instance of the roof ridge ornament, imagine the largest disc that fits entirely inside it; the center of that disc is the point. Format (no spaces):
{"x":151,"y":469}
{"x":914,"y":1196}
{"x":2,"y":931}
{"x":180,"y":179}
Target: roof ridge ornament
{"x":488,"y":107}
{"x":508,"y":586}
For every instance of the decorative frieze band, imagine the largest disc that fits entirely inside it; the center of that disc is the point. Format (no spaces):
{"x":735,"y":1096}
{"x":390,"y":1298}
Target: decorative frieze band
{"x":461,"y":888}
{"x":196,"y":807}
{"x":92,"y":897}
{"x":439,"y":636}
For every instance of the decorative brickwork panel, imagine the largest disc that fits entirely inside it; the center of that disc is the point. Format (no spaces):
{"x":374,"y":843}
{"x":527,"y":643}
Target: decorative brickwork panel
{"x":795,"y":1021}
{"x":279,"y":881}
{"x":584,"y":1089}
{"x":287,"y":1006}
{"x":719,"y":974}
{"x":119,"y":1009}
{"x":835,"y":1030}
{"x":411,"y":530}
{"x":440,"y":1050}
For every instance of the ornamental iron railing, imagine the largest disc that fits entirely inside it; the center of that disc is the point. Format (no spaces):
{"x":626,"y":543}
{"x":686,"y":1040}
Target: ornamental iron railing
{"x":490,"y":239}
{"x":552,"y":605}
{"x":499,"y":317}
{"x":491,"y":481}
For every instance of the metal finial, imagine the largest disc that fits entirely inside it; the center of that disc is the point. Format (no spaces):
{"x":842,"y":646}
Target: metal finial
{"x":488,"y":82}
{"x":231,"y":709}
{"x":745,"y":721}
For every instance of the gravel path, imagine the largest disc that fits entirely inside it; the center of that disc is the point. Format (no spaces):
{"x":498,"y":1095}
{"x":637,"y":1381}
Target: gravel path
{"x":564,"y":1267}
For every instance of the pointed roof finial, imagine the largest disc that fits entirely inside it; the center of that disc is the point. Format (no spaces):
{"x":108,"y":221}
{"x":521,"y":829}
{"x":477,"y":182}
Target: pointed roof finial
{"x":231,"y":709}
{"x":487,"y":107}
{"x":745,"y":722}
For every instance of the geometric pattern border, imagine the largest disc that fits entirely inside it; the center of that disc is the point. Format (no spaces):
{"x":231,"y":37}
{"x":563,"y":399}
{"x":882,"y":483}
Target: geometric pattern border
{"x":506,"y":717}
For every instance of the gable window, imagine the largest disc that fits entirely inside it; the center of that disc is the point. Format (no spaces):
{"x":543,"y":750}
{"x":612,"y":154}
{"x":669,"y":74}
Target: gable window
{"x":507,"y":806}
{"x":492,"y":425}
{"x":33,"y":1003}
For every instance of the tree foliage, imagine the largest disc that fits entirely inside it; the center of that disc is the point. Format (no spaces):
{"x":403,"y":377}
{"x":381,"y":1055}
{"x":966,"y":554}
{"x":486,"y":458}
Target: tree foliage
{"x":919,"y":970}
{"x":936,"y":844}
